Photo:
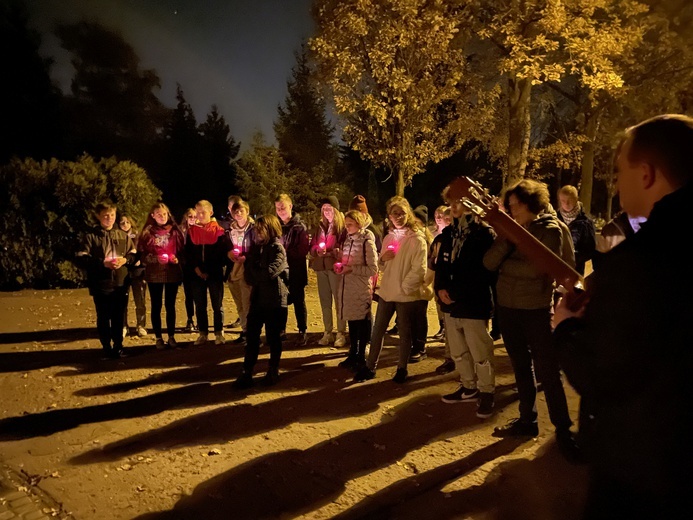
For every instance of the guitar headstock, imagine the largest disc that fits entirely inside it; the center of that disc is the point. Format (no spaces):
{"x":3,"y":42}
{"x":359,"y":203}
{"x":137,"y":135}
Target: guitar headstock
{"x":473,"y":196}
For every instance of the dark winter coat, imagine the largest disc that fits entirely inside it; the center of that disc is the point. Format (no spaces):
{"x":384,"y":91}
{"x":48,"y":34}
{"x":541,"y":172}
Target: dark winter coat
{"x":465,"y":279}
{"x":98,"y":245}
{"x":584,"y":238}
{"x":266,"y":271}
{"x":520,"y":284}
{"x":296,"y":244}
{"x":210,"y":258}
{"x":632,"y":357}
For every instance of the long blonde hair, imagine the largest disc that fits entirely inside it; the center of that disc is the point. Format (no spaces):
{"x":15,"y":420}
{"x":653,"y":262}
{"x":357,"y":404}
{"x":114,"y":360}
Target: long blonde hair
{"x":411,"y":222}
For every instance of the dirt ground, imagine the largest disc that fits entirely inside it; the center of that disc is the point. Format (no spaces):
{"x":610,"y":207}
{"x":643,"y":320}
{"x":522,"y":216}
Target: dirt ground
{"x":162,"y":435}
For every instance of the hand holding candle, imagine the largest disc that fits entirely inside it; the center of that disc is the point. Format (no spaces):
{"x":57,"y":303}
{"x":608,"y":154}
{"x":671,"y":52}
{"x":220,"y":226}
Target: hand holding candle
{"x":337,"y":267}
{"x":163,"y":258}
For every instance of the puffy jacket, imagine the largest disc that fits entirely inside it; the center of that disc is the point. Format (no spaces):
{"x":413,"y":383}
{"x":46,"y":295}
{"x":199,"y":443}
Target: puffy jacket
{"x":520,"y":285}
{"x":295,"y":242}
{"x":355,"y":291}
{"x":403,"y":277}
{"x":266,"y":271}
{"x":155,"y":241}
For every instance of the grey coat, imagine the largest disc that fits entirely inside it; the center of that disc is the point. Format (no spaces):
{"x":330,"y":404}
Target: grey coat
{"x":355,"y":291}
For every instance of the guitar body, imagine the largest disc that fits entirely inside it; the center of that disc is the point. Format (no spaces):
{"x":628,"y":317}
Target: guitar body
{"x":478,"y":200}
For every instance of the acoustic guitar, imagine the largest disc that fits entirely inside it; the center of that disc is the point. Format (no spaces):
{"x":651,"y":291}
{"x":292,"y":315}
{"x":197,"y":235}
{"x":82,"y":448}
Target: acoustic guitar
{"x":481,"y":203}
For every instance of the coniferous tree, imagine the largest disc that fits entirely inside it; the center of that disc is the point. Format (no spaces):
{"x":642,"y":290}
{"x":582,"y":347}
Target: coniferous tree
{"x":304,"y":135}
{"x":113,"y":109}
{"x":220,"y":150}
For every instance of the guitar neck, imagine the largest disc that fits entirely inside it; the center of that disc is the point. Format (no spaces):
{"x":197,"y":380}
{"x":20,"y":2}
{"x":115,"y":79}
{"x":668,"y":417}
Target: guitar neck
{"x":536,"y":252}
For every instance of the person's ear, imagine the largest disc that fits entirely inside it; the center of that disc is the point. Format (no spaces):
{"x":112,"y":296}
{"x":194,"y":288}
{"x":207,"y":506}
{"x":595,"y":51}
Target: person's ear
{"x":648,"y":175}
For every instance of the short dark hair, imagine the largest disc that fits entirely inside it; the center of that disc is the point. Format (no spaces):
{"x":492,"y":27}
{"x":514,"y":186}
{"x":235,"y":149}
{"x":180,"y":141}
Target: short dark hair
{"x":103,"y":206}
{"x":533,"y":193}
{"x":666,"y":142}
{"x":240,"y":204}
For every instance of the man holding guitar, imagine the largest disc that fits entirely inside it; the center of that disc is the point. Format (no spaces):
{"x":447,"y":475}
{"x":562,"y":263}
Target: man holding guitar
{"x":629,"y":350}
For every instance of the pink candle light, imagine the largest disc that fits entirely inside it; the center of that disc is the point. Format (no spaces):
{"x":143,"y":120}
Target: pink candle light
{"x":236,"y":251}
{"x":321,"y":245}
{"x":163,"y":258}
{"x":338,"y":265}
{"x":391,"y":247}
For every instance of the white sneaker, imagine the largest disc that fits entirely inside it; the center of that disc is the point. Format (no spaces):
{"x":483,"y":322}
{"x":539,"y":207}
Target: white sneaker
{"x":141,"y":332}
{"x":201,"y":340}
{"x":220,"y":339}
{"x":326,"y":339}
{"x":125,"y":332}
{"x":340,"y":341}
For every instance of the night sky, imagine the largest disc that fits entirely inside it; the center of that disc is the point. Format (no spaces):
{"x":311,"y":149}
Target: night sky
{"x":237,"y":54}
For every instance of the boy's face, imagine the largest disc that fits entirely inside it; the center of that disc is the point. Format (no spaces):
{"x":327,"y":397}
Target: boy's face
{"x":283,"y":210}
{"x":204,"y":214}
{"x":107,"y":218}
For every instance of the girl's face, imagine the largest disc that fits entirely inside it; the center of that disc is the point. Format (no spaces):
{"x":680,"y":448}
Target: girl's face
{"x":125,"y":224}
{"x":440,"y":220}
{"x":261,"y":236}
{"x":191,"y":218}
{"x":160,"y":216}
{"x":351,"y":225}
{"x":328,"y":212}
{"x":398,"y":217}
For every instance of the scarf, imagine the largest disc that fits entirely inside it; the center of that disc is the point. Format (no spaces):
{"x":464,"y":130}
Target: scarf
{"x":569,"y":216}
{"x":205,"y":234}
{"x":460,"y":231}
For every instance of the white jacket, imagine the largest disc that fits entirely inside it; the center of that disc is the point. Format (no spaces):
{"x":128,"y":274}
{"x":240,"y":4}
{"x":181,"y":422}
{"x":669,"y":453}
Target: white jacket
{"x":402,"y":278}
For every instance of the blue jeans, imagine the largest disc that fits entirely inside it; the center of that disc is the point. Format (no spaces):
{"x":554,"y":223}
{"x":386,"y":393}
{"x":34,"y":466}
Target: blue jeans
{"x":406,"y":314}
{"x":216,"y":296}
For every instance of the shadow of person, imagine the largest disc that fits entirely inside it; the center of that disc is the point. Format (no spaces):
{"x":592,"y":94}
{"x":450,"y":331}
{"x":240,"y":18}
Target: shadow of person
{"x":546,"y":487}
{"x":294,"y":482}
{"x":334,"y":401}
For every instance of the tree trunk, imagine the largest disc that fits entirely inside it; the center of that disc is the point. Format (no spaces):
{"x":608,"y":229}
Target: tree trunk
{"x":399,"y":183}
{"x":587,"y":170}
{"x":519,"y":126}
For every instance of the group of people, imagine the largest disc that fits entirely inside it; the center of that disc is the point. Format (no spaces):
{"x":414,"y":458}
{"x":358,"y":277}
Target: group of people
{"x":627,"y":351}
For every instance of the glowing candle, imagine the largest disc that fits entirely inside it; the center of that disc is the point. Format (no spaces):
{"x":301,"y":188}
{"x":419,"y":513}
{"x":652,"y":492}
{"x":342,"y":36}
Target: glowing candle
{"x":391,"y":247}
{"x":338,"y":265}
{"x":322,"y":245}
{"x":163,"y":258}
{"x":236,"y":250}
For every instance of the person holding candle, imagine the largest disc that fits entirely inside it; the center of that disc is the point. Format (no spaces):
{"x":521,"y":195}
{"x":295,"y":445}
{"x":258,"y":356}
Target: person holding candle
{"x":242,"y":237}
{"x":206,"y":249}
{"x":324,"y":252}
{"x":402,"y":282}
{"x":359,"y":263}
{"x":160,"y":246}
{"x":105,"y":254}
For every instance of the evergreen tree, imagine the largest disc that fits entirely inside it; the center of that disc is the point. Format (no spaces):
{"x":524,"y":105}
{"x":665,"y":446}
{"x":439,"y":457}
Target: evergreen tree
{"x":304,"y":135}
{"x":220,"y":150}
{"x":113,"y":109}
{"x":29,"y":125}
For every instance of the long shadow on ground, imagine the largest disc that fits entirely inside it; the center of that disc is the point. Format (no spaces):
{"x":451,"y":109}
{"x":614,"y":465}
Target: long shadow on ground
{"x":544,"y":488}
{"x":294,"y":482}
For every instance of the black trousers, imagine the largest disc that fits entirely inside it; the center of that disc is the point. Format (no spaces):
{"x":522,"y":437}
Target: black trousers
{"x":527,"y":337}
{"x":419,"y":326}
{"x":274,"y":320}
{"x":169,"y":292}
{"x":359,"y":335}
{"x":110,"y":311}
{"x":297,"y":298}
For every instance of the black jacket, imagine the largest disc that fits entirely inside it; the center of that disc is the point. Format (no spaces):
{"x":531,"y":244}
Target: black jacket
{"x":296,"y":244}
{"x":584,"y":238}
{"x":631,"y":356}
{"x":98,"y":245}
{"x":465,"y":279}
{"x":266,"y":271}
